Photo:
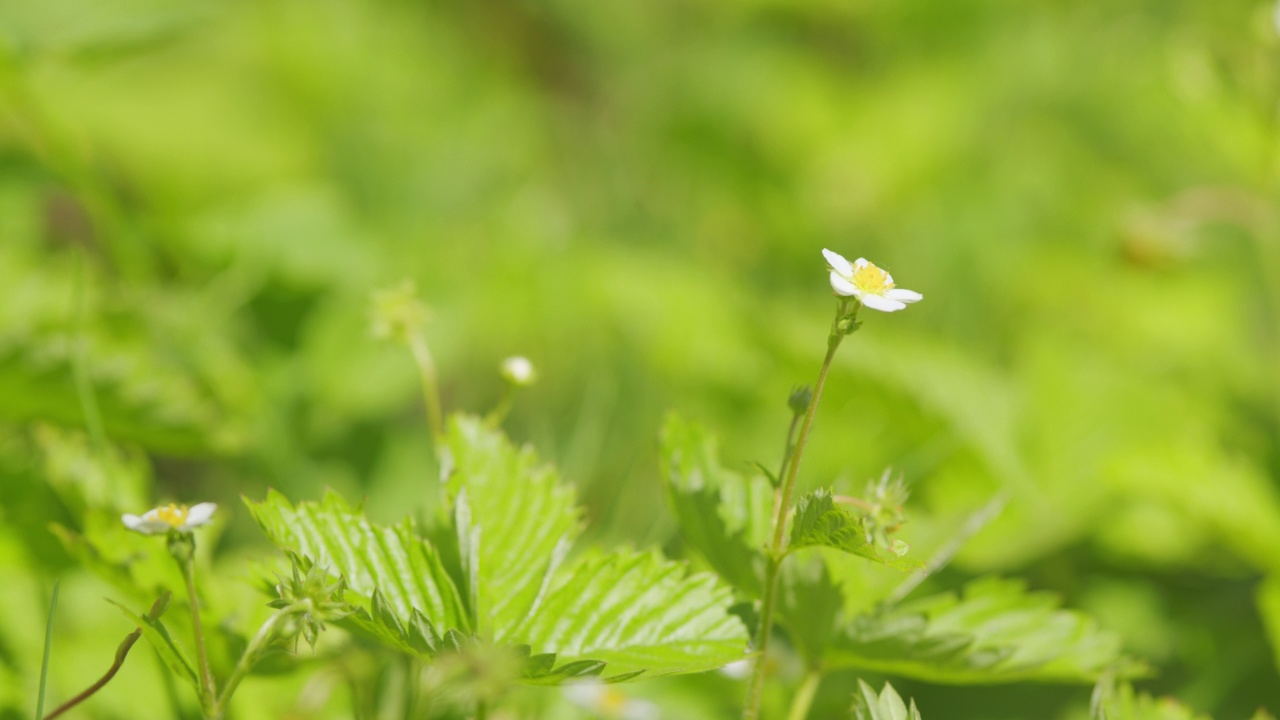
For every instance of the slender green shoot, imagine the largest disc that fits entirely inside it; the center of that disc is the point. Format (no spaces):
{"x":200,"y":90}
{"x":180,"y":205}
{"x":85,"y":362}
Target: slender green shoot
{"x":48,"y":646}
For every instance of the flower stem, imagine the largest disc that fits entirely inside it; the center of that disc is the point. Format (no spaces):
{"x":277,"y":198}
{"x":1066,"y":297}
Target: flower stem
{"x":208,"y":689}
{"x":250,"y":656}
{"x":430,"y":382}
{"x":804,"y":696}
{"x":756,"y":686}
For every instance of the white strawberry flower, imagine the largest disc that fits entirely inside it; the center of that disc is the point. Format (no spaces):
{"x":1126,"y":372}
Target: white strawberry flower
{"x":871,"y":285}
{"x":606,"y":701}
{"x":161,"y":520}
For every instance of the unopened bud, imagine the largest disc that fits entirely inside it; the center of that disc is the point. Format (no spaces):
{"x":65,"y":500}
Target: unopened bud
{"x":518,"y":371}
{"x":800,"y":399}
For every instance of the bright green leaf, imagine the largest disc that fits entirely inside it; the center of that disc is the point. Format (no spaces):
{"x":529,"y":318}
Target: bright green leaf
{"x":996,"y":633}
{"x":888,"y":705}
{"x":402,"y":569}
{"x":1124,"y":704}
{"x":822,"y":522}
{"x":636,"y":611}
{"x":514,"y":520}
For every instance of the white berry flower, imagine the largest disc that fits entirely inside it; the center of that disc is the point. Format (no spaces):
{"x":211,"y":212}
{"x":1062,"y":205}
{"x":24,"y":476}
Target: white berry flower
{"x":737,"y":670}
{"x":518,"y":371}
{"x":871,"y":285}
{"x":606,"y":701}
{"x":159,"y":521}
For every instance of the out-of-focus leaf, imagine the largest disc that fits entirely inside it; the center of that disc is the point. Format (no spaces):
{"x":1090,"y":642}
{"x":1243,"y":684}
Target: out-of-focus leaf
{"x":156,"y":634}
{"x":1125,"y":704}
{"x":722,"y":515}
{"x":888,"y":705}
{"x":996,"y":632}
{"x":1268,"y":600}
{"x":810,"y":605}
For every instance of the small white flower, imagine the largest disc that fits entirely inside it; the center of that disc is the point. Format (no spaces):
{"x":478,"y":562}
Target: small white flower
{"x":518,"y":371}
{"x":872,"y":286}
{"x":608,"y":702}
{"x":737,"y":670}
{"x":159,"y":521}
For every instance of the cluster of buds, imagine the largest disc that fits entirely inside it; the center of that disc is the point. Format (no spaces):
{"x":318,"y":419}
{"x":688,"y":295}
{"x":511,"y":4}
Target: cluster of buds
{"x":397,"y":313}
{"x":313,"y":597}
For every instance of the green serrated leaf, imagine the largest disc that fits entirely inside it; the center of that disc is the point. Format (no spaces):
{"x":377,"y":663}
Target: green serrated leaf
{"x":514,"y":520}
{"x":156,"y":634}
{"x":996,"y":632}
{"x":723,"y":516}
{"x":637,"y":611}
{"x":822,"y":522}
{"x":888,"y":705}
{"x":809,"y":606}
{"x":390,"y":564}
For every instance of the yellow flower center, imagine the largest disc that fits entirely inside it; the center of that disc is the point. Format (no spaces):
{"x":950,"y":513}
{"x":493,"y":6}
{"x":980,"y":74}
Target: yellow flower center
{"x":611,"y":703}
{"x":173,"y":515}
{"x":871,"y":279}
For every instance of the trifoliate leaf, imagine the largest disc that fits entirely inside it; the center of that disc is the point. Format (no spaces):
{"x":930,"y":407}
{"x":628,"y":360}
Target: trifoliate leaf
{"x":723,"y":516}
{"x":997,"y":632}
{"x":888,"y":705}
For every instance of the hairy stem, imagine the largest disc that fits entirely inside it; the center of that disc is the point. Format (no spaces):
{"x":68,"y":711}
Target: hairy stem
{"x":208,"y":689}
{"x":430,"y":383}
{"x":250,"y":656}
{"x":157,"y":609}
{"x":803,"y":700}
{"x":756,"y":686}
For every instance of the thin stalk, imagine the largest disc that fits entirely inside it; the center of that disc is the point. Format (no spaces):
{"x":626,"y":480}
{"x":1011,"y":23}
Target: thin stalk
{"x":122,"y":652}
{"x":804,"y":696}
{"x":250,"y":656}
{"x":756,"y":686}
{"x":786,"y":458}
{"x":48,"y":647}
{"x":208,"y":689}
{"x":430,"y":382}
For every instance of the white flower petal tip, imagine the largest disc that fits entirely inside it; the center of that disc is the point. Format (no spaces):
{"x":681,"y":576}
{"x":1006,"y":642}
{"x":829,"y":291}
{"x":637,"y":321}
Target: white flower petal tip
{"x":837,"y":262}
{"x":871,"y":285}
{"x":161,"y":520}
{"x":737,"y":670}
{"x":518,"y":370}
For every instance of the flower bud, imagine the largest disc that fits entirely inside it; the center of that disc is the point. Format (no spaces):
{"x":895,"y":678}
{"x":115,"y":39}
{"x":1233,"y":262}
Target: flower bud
{"x":518,"y":371}
{"x":800,"y":399}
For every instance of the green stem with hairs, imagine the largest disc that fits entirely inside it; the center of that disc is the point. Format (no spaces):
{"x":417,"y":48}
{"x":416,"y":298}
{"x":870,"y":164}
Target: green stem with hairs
{"x":842,"y":325}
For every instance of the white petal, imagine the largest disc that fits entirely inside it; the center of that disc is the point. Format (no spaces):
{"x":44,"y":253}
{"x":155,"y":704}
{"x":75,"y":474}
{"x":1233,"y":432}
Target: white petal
{"x":881,"y":303}
{"x":145,"y":526}
{"x":586,"y":694}
{"x":837,"y":262}
{"x":200,"y":514}
{"x":640,"y":710}
{"x":903,"y":295}
{"x":860,"y":263}
{"x":842,"y":286}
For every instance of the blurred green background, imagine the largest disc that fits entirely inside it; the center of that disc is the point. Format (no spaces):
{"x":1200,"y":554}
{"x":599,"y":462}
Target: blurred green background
{"x":197,"y":199}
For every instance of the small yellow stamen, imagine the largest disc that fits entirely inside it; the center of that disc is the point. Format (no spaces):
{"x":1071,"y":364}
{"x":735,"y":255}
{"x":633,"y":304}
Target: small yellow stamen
{"x":173,"y":515}
{"x":871,"y":279}
{"x":611,"y":703}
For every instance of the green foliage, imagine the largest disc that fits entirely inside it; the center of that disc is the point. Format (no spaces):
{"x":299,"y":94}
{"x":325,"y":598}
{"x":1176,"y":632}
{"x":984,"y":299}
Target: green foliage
{"x":995,"y":632}
{"x":1123,"y":703}
{"x":621,"y":614}
{"x":888,"y":705}
{"x":158,"y":637}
